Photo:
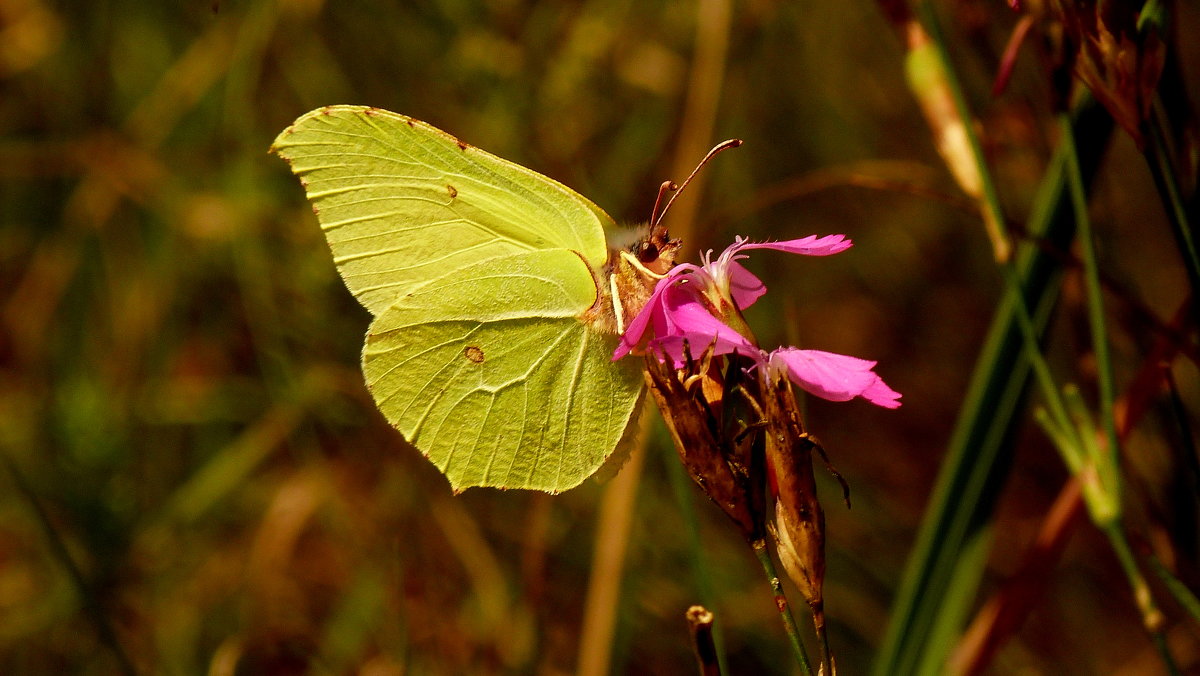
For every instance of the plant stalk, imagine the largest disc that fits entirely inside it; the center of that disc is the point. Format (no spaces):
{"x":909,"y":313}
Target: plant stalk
{"x":781,"y":603}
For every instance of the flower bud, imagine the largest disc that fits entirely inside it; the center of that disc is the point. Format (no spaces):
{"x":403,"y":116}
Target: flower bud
{"x":799,"y":519}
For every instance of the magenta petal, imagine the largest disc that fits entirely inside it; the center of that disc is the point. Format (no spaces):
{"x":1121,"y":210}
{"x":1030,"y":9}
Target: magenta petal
{"x":836,"y":377}
{"x":697,"y":344}
{"x":807,"y":246}
{"x":688,"y":319}
{"x":744,"y":286}
{"x":882,"y":395}
{"x":637,"y":328}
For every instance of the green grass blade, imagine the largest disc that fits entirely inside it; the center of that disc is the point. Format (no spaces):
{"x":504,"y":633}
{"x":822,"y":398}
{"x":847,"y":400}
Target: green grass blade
{"x":1159,"y":160}
{"x":977,"y":459}
{"x":960,"y":599}
{"x":1178,"y":590}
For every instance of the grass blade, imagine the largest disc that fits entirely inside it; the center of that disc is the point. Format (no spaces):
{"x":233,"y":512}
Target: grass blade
{"x":977,"y":457}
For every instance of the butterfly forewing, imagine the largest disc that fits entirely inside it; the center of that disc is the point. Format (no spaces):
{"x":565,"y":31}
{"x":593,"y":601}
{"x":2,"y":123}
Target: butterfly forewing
{"x":402,"y":202}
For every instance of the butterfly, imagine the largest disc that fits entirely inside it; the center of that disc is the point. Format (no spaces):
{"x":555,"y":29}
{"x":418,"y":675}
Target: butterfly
{"x":496,"y":300}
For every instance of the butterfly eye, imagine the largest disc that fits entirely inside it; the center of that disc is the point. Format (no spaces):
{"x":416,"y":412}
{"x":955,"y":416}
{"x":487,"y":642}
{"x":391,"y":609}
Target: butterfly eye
{"x":647,"y":252}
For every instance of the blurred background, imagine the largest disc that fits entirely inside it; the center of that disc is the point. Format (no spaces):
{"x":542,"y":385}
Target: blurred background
{"x":198,"y":482}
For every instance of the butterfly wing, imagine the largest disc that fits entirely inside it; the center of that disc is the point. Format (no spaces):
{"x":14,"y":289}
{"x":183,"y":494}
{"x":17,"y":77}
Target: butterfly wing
{"x":479,"y":273}
{"x":489,"y":372}
{"x":401,"y":202}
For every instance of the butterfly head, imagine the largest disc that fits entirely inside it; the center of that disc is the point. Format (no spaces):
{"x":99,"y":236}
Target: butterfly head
{"x":656,"y":251}
{"x":634,"y":271}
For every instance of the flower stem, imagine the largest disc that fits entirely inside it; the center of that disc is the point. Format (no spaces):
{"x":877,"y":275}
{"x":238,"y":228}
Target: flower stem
{"x":823,"y":641}
{"x":1106,"y":464}
{"x":785,"y":611}
{"x":1091,"y":273}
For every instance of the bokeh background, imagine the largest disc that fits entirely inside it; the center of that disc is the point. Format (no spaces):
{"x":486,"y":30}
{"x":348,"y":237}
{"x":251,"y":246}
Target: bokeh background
{"x":197,"y":475}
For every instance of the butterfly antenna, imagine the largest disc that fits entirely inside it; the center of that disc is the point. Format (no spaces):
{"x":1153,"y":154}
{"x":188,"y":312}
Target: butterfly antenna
{"x":666,"y":187}
{"x":722,"y":146}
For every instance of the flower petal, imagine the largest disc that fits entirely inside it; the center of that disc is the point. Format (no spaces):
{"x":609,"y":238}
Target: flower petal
{"x":744,"y":286}
{"x":637,"y":328}
{"x":721,"y":343}
{"x":882,"y":395}
{"x":687,"y":319}
{"x":836,"y":377}
{"x":807,"y":246}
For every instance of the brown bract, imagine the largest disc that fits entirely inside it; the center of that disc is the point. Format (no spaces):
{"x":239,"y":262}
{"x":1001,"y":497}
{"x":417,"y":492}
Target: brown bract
{"x":1119,"y":64}
{"x":721,"y":455}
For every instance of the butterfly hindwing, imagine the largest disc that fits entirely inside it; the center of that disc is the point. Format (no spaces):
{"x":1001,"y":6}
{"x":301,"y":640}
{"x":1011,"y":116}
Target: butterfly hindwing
{"x":490,"y":373}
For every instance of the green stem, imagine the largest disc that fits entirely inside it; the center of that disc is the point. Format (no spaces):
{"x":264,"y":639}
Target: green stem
{"x":1107,"y":464}
{"x":1152,"y":617}
{"x":1091,"y":272}
{"x":785,"y":611}
{"x":1033,"y":350}
{"x":994,"y":213}
{"x":1177,"y":589}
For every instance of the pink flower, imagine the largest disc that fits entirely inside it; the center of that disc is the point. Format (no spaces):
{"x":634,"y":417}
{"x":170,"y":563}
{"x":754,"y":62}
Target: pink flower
{"x":739,"y":285}
{"x":693,"y":305}
{"x":836,"y":377}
